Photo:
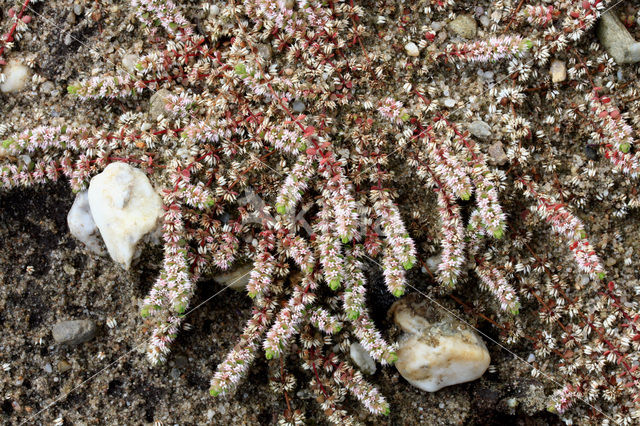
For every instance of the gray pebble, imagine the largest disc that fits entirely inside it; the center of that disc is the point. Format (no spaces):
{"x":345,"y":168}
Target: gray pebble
{"x":48,"y":368}
{"x":73,"y":332}
{"x":484,"y":21}
{"x":497,"y":156}
{"x":464,"y":26}
{"x":480,"y":129}
{"x":617,"y":40}
{"x":175,"y":373}
{"x":47,"y":87}
{"x":157,"y":103}
{"x":298,"y":106}
{"x":78,"y":9}
{"x":67,"y":39}
{"x":181,"y":361}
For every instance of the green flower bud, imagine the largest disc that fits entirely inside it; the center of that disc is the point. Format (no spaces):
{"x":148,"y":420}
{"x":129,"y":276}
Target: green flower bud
{"x":334,"y":284}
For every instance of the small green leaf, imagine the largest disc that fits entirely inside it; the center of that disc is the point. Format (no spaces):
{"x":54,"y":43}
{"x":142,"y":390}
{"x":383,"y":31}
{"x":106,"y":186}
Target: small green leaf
{"x":498,"y":233}
{"x":353,"y":315}
{"x":625,"y":147}
{"x":214,"y":391}
{"x":405,"y":117}
{"x":334,"y":284}
{"x":601,"y":275}
{"x":407,"y":265}
{"x":398,"y":292}
{"x":144,"y":312}
{"x":526,"y":44}
{"x":7,"y":143}
{"x":72,"y":90}
{"x":393,"y":357}
{"x":345,"y":239}
{"x":241,"y":70}
{"x":269,"y":354}
{"x":281,"y":208}
{"x":139,"y":66}
{"x":173,"y":25}
{"x":465,"y":196}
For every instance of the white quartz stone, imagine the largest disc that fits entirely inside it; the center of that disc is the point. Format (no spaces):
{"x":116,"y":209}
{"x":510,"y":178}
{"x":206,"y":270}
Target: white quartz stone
{"x":125,"y":208}
{"x":412,"y":49}
{"x":16,"y":76}
{"x":361,"y":358}
{"x":436,"y":350}
{"x":558,"y":71}
{"x":129,"y":62}
{"x":82,"y":225}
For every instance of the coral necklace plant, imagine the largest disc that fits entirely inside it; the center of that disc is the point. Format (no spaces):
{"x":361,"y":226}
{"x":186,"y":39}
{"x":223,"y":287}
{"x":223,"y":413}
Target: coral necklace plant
{"x":316,"y":108}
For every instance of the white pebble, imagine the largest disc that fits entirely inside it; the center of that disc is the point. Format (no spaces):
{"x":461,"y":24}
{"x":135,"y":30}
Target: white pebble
{"x":362,"y":359}
{"x":449,"y":103}
{"x":412,"y":49}
{"x":558,"y":71}
{"x":81,"y":223}
{"x":16,"y":77}
{"x":129,"y":62}
{"x":436,"y":350}
{"x":125,"y":208}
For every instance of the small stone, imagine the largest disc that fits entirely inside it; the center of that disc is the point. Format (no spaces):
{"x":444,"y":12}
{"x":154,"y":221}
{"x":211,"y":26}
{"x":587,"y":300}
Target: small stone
{"x":264,"y":50}
{"x":73,"y":332}
{"x":175,"y":373}
{"x":129,"y":62}
{"x":591,"y":151}
{"x":436,"y":350}
{"x":68,"y":39}
{"x":47,"y":87}
{"x":157,"y":103}
{"x":82,"y":225}
{"x":78,"y":9}
{"x":558,"y":71}
{"x":237,"y":279}
{"x":16,"y":76}
{"x":181,"y":361}
{"x":412,"y":49}
{"x":63,"y":366}
{"x":68,"y":269}
{"x":633,"y":53}
{"x":485,"y":21}
{"x":125,"y":208}
{"x":480,"y":129}
{"x":362,"y":359}
{"x":449,"y":103}
{"x":433,"y":262}
{"x":497,"y":156}
{"x":616,"y":39}
{"x":464,"y":26}
{"x":48,"y":368}
{"x":71,"y":18}
{"x":214,"y":10}
{"x":298,"y":106}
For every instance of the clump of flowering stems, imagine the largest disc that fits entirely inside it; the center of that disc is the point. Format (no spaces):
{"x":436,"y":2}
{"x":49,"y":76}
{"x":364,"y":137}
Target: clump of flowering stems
{"x":233,"y":125}
{"x":18,"y":20}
